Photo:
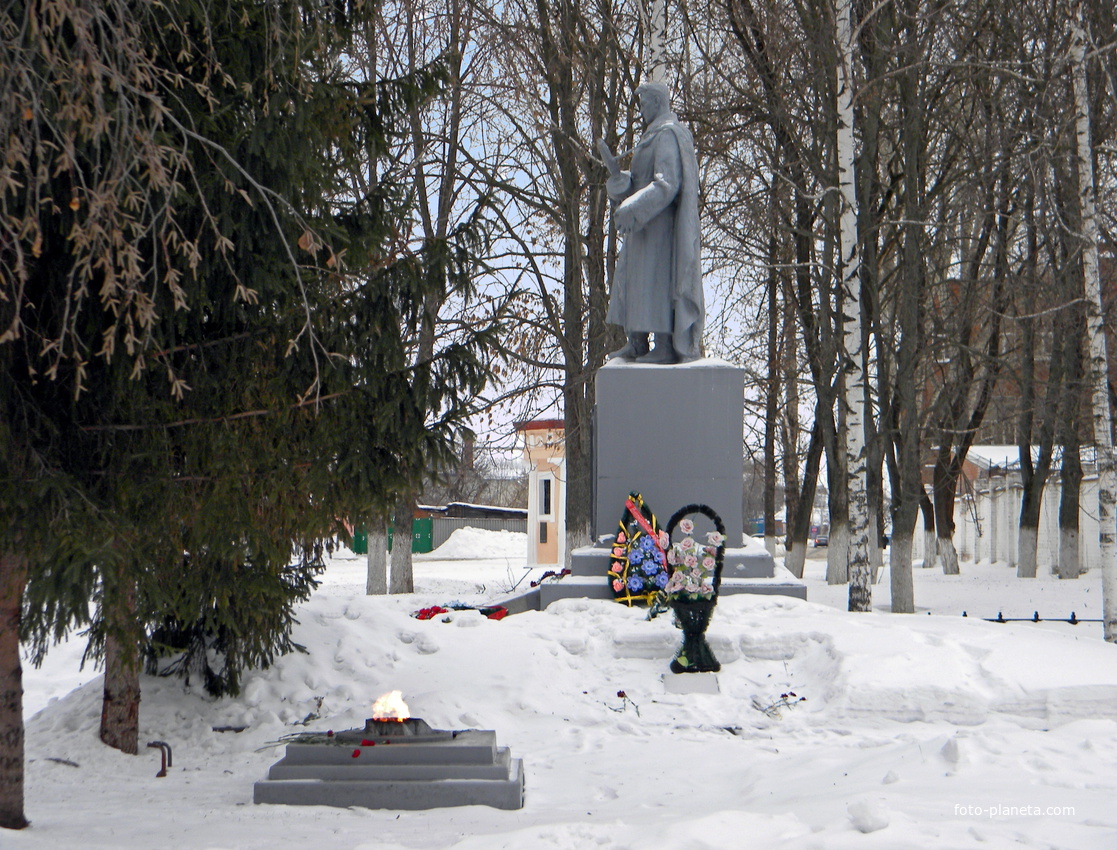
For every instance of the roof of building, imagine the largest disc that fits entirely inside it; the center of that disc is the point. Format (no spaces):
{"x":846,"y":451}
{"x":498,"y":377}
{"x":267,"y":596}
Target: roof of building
{"x":541,"y":425}
{"x":1008,"y":457}
{"x":466,"y":509}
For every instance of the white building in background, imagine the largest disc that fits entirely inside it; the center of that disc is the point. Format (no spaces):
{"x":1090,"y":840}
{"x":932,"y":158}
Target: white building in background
{"x":545,"y":456}
{"x":987,"y":511}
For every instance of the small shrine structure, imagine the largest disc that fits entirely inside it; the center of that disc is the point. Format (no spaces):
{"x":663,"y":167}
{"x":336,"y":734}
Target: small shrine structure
{"x":545,"y":456}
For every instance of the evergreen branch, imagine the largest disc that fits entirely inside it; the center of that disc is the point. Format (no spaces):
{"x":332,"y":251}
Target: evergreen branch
{"x":246,"y":414}
{"x":267,"y":194}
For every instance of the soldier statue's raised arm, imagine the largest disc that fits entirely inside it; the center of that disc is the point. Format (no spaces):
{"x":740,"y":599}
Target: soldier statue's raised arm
{"x":657,"y":285}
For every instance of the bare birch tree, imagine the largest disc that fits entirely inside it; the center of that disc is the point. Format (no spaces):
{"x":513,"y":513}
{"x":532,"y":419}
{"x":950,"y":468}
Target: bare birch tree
{"x":856,"y":394}
{"x":1098,"y":363}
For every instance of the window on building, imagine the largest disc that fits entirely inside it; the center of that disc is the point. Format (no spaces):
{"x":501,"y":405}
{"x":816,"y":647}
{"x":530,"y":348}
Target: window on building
{"x":542,"y":532}
{"x":545,"y":496}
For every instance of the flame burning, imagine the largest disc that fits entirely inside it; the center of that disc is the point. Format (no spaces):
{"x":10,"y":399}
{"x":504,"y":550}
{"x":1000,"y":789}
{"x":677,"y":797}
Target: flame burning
{"x":391,"y":706}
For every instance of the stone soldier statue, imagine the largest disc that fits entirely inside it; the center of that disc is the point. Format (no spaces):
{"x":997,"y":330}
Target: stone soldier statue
{"x":657,"y":286}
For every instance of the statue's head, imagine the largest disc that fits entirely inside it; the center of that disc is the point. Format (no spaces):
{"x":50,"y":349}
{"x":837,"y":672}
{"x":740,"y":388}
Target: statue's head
{"x":655,"y":99}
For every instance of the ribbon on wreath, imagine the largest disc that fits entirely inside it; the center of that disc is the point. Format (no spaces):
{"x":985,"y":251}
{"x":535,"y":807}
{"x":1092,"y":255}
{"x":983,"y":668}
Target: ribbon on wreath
{"x":638,"y":565}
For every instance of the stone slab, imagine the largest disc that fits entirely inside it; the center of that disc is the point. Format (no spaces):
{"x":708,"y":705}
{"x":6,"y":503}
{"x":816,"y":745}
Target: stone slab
{"x":362,"y":770}
{"x":787,"y":585}
{"x":585,"y":587}
{"x":691,"y":683}
{"x":673,"y":434}
{"x":750,"y":561}
{"x":506,"y":793}
{"x":522,"y":601}
{"x":467,"y":747}
{"x":591,"y":587}
{"x":574,"y":587}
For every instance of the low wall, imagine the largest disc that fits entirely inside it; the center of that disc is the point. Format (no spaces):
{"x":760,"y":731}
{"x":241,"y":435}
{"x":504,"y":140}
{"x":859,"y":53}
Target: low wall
{"x":987,"y":525}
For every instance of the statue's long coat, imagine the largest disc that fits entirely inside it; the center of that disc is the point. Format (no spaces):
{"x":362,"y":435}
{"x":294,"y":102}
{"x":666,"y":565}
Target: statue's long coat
{"x":657,"y":286}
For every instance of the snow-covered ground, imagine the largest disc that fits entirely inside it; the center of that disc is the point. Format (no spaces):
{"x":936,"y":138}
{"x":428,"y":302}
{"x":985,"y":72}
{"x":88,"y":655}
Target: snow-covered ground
{"x":920,"y":731}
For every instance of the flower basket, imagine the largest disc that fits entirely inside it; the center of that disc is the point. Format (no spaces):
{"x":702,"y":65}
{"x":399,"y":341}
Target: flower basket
{"x":695,"y":654}
{"x":694,"y":579}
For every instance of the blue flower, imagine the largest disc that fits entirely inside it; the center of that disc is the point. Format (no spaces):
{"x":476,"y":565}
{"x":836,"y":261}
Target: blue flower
{"x":646,"y":543}
{"x":635,"y":556}
{"x":657,"y":556}
{"x":661,"y":580}
{"x":635,"y":583}
{"x":650,"y":568}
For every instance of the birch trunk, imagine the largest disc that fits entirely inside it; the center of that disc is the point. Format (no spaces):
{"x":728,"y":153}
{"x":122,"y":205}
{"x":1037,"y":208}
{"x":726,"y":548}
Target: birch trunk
{"x":655,"y":20}
{"x":860,"y":568}
{"x":1097,"y":370}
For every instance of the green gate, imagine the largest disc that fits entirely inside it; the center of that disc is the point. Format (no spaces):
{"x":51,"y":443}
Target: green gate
{"x":360,"y":540}
{"x":422,"y":536}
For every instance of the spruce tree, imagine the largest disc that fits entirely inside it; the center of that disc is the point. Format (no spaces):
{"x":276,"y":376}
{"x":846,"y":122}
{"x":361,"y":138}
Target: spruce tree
{"x":206,"y":362}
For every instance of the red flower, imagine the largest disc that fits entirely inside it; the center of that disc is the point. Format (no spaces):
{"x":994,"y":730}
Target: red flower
{"x":356,"y":752}
{"x":365,"y":742}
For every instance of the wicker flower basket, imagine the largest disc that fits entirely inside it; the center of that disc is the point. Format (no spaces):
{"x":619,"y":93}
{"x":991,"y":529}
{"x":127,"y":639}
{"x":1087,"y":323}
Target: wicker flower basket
{"x":692,"y":591}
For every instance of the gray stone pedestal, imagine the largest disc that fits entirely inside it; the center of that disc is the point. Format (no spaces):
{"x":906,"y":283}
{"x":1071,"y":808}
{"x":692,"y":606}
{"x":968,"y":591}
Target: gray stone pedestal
{"x":672,"y":434}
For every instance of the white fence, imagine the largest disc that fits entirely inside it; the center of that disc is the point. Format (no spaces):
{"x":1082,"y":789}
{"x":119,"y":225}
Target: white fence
{"x":988,"y":521}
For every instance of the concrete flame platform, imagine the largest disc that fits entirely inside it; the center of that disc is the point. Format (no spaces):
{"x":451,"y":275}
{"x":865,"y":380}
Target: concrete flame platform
{"x":420,"y":768}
